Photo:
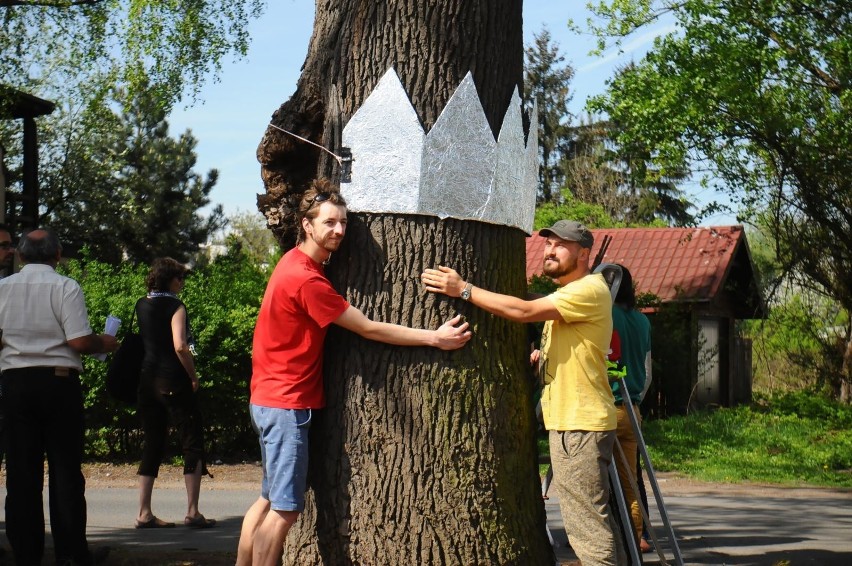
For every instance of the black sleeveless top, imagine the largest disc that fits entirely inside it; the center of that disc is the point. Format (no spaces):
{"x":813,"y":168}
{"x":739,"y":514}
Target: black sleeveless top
{"x":155,"y":325}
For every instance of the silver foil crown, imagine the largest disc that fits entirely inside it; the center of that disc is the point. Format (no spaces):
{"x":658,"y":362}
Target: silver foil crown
{"x":456,"y":170}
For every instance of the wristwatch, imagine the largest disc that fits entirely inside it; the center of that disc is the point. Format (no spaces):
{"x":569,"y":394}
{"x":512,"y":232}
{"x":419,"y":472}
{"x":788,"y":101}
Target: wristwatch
{"x":465,"y":294}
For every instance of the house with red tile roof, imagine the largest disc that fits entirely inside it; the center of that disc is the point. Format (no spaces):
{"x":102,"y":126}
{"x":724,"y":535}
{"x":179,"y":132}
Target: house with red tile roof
{"x":700,"y":282}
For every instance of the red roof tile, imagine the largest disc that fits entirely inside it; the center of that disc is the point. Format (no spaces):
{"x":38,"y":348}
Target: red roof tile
{"x":682,"y":263}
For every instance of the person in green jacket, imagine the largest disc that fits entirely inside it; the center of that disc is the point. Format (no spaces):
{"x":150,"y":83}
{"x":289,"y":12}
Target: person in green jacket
{"x":634,"y":334}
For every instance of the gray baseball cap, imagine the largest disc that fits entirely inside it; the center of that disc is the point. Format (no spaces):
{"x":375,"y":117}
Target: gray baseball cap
{"x":570,"y":231}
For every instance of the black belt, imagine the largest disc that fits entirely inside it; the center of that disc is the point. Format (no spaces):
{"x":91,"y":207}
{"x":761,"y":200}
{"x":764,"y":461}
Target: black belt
{"x":54,"y":370}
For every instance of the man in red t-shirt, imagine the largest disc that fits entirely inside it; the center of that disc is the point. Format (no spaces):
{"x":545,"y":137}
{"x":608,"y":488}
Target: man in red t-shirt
{"x":286,"y":385}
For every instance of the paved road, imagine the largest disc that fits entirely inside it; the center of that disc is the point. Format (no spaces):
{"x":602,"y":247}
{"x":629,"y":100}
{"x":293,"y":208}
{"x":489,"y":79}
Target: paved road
{"x":112,"y":513}
{"x":759,"y":527}
{"x":748,"y":525}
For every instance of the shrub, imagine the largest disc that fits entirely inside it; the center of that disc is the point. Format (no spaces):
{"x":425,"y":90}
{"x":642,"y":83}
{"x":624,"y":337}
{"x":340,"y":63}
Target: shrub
{"x":222,"y":300}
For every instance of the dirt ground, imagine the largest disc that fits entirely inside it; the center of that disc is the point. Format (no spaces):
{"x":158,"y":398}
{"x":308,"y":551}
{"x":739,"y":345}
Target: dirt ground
{"x":225,"y":476}
{"x":248,"y":475}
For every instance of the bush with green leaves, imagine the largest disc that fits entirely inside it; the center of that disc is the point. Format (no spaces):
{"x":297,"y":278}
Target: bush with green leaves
{"x":222,"y":300}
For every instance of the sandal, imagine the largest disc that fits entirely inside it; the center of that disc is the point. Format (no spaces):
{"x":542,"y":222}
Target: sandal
{"x":154,"y":523}
{"x":199,"y":522}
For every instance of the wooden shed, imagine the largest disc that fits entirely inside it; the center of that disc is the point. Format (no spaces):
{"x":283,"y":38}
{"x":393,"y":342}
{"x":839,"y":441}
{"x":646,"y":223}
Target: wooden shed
{"x":19,"y":210}
{"x":700,"y":282}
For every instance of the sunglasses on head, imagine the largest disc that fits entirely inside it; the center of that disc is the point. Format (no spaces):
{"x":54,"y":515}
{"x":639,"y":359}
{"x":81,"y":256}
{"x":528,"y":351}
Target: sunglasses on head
{"x":319,"y":199}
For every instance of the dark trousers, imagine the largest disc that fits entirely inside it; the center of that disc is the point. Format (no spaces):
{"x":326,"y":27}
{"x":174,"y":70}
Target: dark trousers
{"x":44,"y":416}
{"x":162,"y":402}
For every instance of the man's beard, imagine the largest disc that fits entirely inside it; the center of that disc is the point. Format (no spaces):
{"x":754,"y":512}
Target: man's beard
{"x":555,"y":271}
{"x":329,"y":243}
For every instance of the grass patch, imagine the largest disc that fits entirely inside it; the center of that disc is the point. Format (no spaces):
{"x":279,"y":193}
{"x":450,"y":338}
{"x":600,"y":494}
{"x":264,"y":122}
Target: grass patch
{"x":796,"y":438}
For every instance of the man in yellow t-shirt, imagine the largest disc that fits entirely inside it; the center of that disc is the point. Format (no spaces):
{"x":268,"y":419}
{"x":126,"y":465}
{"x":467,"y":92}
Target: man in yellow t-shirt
{"x":577,"y":403}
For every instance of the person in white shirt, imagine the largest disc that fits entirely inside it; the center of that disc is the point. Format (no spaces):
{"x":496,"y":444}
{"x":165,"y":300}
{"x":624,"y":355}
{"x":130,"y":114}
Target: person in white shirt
{"x":45,"y":329}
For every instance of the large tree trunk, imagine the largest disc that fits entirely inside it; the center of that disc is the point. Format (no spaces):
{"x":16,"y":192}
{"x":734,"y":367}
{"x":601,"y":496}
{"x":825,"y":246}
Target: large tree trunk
{"x":431,"y":44}
{"x":422,"y":456}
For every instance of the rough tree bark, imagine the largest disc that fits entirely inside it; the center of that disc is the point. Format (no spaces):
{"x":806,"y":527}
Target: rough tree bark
{"x":421,"y":456}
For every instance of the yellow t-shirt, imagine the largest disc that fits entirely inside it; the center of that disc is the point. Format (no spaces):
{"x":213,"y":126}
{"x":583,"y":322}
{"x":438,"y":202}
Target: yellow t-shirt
{"x":577,"y":394}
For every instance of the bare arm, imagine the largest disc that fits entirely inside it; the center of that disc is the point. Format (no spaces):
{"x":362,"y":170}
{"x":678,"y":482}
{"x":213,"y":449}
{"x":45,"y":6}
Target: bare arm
{"x":94,"y":344}
{"x":447,"y":281}
{"x":447,"y":337}
{"x":182,"y":345}
{"x":648,"y":376}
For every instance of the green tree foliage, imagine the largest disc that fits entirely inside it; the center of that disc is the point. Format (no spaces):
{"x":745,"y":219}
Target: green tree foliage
{"x":623,"y":179}
{"x":109,"y":289}
{"x":80,"y":53}
{"x":165,"y":47}
{"x":222,"y":300}
{"x":118,"y":183}
{"x":249,"y":234}
{"x":587,"y":177}
{"x":546,"y":81}
{"x":801,"y":343}
{"x":592,"y":215}
{"x":760,"y":89}
{"x":585,"y":159}
{"x":652,"y":188}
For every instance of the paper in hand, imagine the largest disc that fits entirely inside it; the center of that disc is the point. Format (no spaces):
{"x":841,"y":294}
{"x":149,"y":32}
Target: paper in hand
{"x":111,"y":327}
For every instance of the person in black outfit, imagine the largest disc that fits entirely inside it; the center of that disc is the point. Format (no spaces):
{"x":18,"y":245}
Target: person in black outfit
{"x":167,"y":392}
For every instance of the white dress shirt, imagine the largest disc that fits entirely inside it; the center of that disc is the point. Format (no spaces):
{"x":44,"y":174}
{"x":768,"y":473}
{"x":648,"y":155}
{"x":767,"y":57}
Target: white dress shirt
{"x":40,"y":311}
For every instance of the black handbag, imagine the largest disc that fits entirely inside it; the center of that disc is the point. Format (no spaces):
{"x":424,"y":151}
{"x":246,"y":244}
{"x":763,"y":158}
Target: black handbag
{"x":122,"y":379}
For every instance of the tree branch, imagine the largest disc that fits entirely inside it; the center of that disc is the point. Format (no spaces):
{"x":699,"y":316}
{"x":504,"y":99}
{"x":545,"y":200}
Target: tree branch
{"x":47,"y":3}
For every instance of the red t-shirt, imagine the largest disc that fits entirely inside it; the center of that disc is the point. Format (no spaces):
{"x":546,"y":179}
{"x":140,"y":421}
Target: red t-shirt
{"x":298,"y":305}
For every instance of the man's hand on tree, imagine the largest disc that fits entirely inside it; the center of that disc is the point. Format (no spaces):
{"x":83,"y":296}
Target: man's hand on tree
{"x":452,"y":337}
{"x":443,"y":280}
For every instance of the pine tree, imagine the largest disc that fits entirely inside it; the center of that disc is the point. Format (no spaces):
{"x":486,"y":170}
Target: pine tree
{"x":119,"y":184}
{"x":546,"y":81}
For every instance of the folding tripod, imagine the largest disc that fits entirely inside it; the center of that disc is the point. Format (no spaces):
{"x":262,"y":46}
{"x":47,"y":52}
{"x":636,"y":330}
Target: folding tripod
{"x":623,"y":510}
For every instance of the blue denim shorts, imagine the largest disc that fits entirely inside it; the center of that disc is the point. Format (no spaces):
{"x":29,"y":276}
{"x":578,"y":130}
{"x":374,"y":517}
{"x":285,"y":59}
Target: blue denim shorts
{"x":284,"y":450}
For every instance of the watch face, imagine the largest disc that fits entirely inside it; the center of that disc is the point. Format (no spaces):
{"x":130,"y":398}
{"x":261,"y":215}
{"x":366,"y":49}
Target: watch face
{"x":465,"y":294}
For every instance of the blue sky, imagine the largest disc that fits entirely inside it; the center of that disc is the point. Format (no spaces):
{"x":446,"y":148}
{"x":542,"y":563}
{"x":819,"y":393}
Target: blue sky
{"x":231,"y":114}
